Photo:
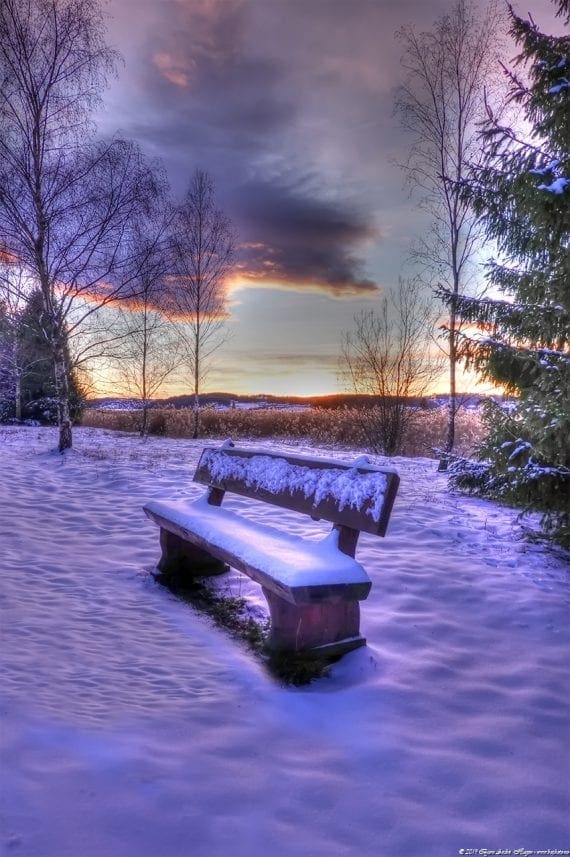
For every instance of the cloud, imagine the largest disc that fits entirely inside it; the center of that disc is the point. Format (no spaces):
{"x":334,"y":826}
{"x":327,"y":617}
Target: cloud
{"x":204,"y":79}
{"x":297,"y":238}
{"x":293,"y":362}
{"x":172,"y":69}
{"x":261,"y":94}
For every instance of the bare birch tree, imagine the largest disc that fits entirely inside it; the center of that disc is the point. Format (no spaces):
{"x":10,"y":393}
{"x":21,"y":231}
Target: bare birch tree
{"x":204,"y":252}
{"x":449,"y":72}
{"x":148,"y":345}
{"x":66,"y":200}
{"x":390,"y":356}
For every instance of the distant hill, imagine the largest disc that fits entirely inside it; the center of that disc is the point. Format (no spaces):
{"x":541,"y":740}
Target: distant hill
{"x":229,"y":400}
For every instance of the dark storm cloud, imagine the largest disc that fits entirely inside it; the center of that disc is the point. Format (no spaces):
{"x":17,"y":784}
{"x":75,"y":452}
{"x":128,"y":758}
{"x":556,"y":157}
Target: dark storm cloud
{"x":261,"y":93}
{"x":219,"y":97}
{"x":294,"y":237}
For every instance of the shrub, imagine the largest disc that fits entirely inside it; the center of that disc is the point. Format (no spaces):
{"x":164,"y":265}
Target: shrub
{"x":336,"y":427}
{"x":469,"y":476}
{"x":510,"y":468}
{"x":157,"y":423}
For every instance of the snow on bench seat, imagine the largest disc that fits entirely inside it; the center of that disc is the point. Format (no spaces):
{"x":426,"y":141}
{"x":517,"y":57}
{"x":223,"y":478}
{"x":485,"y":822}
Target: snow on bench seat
{"x":298,"y":569}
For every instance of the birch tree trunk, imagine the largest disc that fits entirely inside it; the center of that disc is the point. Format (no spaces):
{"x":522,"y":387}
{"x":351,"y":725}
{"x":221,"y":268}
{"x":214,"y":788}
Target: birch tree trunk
{"x":18,"y":395}
{"x":62,"y":393}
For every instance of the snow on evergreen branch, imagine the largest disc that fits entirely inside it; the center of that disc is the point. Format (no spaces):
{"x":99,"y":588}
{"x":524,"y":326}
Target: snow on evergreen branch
{"x":559,"y":87}
{"x":549,"y":168}
{"x":558,"y":186}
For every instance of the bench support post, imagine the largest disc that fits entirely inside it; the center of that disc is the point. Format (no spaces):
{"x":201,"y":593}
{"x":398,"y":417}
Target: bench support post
{"x":347,"y":539}
{"x":329,"y":628}
{"x":181,"y":557}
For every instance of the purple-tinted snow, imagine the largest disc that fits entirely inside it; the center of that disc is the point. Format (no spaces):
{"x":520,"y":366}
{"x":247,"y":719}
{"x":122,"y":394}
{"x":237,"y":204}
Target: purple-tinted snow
{"x":134,"y":728}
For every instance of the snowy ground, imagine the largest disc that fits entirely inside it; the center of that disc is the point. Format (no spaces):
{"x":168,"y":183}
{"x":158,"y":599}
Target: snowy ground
{"x":134,"y":728}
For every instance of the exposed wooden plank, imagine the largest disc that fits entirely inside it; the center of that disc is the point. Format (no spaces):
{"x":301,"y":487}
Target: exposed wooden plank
{"x":215,"y":496}
{"x":298,"y":627}
{"x":179,"y":555}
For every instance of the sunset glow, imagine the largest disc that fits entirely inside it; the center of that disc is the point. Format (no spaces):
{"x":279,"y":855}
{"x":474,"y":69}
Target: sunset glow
{"x":289,"y":107}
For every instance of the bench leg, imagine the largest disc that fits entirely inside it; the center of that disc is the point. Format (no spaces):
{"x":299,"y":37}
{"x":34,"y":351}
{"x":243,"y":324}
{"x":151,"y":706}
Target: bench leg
{"x":329,"y":628}
{"x":180,"y":557}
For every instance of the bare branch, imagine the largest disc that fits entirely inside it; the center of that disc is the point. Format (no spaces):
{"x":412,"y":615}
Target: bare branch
{"x":452,"y":76}
{"x":389,"y":356}
{"x":68,"y":204}
{"x":204,"y":252}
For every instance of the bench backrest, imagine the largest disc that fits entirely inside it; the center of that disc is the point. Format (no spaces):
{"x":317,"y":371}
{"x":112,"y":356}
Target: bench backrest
{"x":358,"y":495}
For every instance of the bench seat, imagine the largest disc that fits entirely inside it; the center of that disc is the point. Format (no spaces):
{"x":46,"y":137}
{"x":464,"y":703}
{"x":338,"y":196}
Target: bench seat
{"x":297,"y":569}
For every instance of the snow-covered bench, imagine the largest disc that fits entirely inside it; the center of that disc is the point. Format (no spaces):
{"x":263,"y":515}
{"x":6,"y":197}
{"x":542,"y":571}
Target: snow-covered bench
{"x":312,"y":587}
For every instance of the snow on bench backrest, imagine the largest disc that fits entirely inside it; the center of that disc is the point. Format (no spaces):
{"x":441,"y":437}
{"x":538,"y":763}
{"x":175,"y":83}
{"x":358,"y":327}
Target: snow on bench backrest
{"x":358,"y":495}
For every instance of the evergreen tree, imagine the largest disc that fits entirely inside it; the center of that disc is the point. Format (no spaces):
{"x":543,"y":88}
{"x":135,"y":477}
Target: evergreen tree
{"x":38,"y":388}
{"x":522,"y":195}
{"x":7,"y":372}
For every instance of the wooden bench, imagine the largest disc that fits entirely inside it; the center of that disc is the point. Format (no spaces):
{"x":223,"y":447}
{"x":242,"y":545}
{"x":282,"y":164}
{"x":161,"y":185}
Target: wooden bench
{"x":313,"y":588}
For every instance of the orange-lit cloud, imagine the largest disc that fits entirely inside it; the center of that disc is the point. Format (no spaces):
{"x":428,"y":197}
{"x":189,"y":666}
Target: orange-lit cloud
{"x":201,"y":41}
{"x":273,"y":279}
{"x":300,"y":236}
{"x":176,"y":71}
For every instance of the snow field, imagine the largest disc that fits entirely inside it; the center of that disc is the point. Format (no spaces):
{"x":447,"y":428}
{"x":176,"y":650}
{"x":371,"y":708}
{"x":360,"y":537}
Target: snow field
{"x":131,"y":726}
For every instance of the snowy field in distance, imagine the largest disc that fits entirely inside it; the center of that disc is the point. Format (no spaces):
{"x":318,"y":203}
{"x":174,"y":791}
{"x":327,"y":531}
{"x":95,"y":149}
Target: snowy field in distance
{"x":134,"y":728}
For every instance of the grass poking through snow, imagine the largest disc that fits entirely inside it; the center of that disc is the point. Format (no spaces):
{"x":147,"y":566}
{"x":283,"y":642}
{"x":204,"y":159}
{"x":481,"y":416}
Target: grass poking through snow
{"x":231,"y":614}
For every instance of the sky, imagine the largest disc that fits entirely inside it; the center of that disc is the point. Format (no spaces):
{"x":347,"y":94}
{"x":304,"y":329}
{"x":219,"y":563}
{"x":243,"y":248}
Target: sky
{"x":288,"y":104}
